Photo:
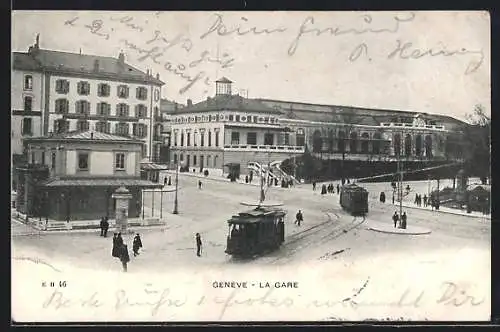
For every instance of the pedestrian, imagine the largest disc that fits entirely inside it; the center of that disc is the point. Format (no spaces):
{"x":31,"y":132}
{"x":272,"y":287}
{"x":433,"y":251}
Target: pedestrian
{"x":416,"y":199}
{"x":395,"y":218}
{"x":382,"y":197}
{"x":106,"y":226}
{"x":338,"y":188}
{"x":101,"y":226}
{"x":124,"y":257}
{"x":403,"y":220}
{"x":137,"y":244}
{"x":246,"y":178}
{"x":198,"y":244}
{"x":314,"y":186}
{"x":199,"y":184}
{"x":169,"y":183}
{"x":425,"y":200}
{"x":299,"y":218}
{"x":119,"y":240}
{"x":323,"y":189}
{"x":115,"y":252}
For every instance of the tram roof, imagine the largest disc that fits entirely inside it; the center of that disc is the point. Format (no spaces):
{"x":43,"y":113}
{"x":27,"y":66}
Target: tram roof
{"x":353,"y":187}
{"x":255,"y":215}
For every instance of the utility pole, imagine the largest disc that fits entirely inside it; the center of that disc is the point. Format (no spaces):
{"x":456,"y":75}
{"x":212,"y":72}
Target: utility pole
{"x":176,"y":211}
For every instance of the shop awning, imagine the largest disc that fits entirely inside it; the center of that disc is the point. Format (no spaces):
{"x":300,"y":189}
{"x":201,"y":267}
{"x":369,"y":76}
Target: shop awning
{"x":101,"y":183}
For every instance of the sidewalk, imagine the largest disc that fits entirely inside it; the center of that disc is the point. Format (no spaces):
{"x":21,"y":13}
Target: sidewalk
{"x":473,"y":214}
{"x":85,"y":226}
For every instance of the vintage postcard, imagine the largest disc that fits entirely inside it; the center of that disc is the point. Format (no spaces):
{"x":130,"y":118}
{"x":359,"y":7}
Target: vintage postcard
{"x":250,"y":166}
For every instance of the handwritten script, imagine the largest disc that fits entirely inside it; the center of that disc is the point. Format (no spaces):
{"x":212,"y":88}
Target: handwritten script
{"x":155,"y":300}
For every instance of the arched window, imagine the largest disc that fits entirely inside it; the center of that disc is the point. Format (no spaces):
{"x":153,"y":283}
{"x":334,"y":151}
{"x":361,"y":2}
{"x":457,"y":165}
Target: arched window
{"x":341,"y":141}
{"x":364,"y":142}
{"x":353,"y":144}
{"x":376,"y":143}
{"x":418,"y":145}
{"x":330,"y":140}
{"x":428,"y":146}
{"x":317,"y":141}
{"x":408,"y":145}
{"x":215,"y":161}
{"x":397,"y":144}
{"x":182,"y":140}
{"x":208,"y":161}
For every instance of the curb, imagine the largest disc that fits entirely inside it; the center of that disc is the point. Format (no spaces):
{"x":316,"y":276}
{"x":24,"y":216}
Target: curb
{"x":400,"y":233}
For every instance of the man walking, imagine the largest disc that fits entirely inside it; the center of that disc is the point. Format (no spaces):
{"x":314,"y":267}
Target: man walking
{"x":137,"y":244}
{"x":101,"y":226}
{"x":395,"y":218}
{"x":199,"y":184}
{"x":124,"y":257}
{"x":105,"y":226}
{"x":198,"y":244}
{"x":298,"y":218}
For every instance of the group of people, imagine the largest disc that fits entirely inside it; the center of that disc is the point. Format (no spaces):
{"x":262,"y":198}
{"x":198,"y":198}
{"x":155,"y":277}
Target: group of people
{"x":419,"y":200}
{"x":120,"y":249}
{"x":327,"y":189}
{"x":399,"y":221}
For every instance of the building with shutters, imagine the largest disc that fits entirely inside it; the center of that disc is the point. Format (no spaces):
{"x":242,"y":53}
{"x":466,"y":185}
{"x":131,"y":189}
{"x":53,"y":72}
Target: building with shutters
{"x":229,"y":129}
{"x":56,"y":92}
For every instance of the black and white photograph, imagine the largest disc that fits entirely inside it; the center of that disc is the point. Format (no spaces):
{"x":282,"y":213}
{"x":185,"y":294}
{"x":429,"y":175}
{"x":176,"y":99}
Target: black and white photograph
{"x":250,"y":166}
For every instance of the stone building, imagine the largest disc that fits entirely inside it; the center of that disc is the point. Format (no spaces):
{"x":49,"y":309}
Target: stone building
{"x":76,"y":174}
{"x":57,"y":92}
{"x":229,"y":129}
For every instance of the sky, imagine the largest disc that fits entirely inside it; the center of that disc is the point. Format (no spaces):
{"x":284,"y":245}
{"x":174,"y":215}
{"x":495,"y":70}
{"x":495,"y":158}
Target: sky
{"x":434,"y":62}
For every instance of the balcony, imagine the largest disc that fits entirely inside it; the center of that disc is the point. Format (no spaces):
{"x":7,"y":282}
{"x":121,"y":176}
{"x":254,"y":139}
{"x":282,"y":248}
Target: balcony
{"x":265,"y":148}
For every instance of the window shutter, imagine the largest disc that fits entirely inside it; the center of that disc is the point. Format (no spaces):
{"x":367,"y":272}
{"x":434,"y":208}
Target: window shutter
{"x":117,"y":127}
{"x":108,"y":127}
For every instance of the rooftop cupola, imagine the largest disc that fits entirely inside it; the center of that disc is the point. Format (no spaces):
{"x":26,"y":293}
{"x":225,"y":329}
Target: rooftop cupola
{"x":223,"y":87}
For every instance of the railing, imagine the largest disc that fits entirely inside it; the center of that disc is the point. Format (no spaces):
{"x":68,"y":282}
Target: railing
{"x":265,"y":148}
{"x":411,"y":125}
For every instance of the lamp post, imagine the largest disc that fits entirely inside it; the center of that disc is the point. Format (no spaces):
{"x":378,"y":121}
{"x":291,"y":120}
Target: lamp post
{"x":176,"y":211}
{"x":400,"y":185}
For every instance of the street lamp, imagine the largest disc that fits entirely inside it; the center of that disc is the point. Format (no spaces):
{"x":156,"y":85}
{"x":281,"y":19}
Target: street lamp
{"x":176,"y":210}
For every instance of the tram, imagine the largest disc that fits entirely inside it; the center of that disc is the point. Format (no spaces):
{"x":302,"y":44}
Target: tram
{"x":354,"y":199}
{"x":255,"y":231}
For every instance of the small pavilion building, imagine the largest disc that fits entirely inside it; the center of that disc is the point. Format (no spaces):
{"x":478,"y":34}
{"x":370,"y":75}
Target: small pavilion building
{"x":77,"y":174}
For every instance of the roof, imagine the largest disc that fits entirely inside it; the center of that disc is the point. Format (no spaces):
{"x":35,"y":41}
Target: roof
{"x":229,"y":102}
{"x":95,"y":182}
{"x":79,"y":63}
{"x":378,"y":114}
{"x":94,"y":136}
{"x":255,"y":215}
{"x":479,"y":187}
{"x":24,"y":61}
{"x":151,"y":166}
{"x":224,"y":80}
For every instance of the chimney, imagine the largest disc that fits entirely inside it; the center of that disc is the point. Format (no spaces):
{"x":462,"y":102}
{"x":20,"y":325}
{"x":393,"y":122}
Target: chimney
{"x":189,"y":103}
{"x":37,"y":42}
{"x":96,"y":65}
{"x":121,"y":58}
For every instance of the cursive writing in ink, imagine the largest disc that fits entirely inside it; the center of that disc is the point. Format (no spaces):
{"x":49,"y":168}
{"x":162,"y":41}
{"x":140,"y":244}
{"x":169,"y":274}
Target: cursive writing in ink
{"x":128,"y":21}
{"x":57,"y":300}
{"x":95,"y":27}
{"x":306,"y":28}
{"x":179,"y":39}
{"x":222,"y":30}
{"x":406,"y":50}
{"x":456,"y":296}
{"x":155,"y":300}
